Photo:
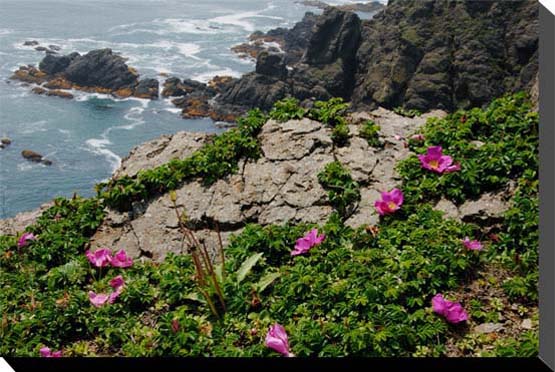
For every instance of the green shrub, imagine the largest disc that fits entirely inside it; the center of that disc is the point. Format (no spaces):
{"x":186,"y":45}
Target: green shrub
{"x":340,"y":134}
{"x":211,"y":162}
{"x":492,"y":146}
{"x":407,"y":113}
{"x":343,"y":191}
{"x":371,"y":132}
{"x":287,"y":109}
{"x":329,"y":112}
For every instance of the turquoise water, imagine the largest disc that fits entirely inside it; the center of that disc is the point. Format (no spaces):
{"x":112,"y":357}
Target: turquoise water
{"x":87,"y":137}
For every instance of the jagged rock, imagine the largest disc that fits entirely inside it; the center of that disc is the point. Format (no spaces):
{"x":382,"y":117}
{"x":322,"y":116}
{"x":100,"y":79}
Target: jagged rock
{"x":31,"y":43}
{"x":147,"y":88}
{"x":446,"y":54}
{"x":336,"y":36}
{"x":282,"y":185}
{"x":369,"y":7}
{"x":52,"y":64}
{"x":55,"y":47}
{"x":58,"y":83}
{"x":5,"y":141}
{"x":159,"y":151}
{"x":488,"y":209}
{"x":271,"y":64}
{"x":14,"y":225}
{"x":100,"y":68}
{"x":174,"y":87}
{"x":448,"y":208}
{"x":29,"y":74}
{"x":292,"y":42}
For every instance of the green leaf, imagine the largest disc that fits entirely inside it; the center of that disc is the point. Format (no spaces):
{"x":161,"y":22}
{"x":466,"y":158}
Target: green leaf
{"x":247,"y":266}
{"x":266,"y":281}
{"x":194,"y":297}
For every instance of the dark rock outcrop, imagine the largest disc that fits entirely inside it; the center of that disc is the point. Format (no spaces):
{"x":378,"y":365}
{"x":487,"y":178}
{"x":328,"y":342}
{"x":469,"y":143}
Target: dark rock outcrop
{"x":293,"y":42}
{"x":418,"y":54}
{"x":326,"y":70}
{"x":35,"y":157}
{"x":271,"y":64}
{"x":147,"y":88}
{"x":31,"y":43}
{"x":446,"y":54}
{"x":369,"y":7}
{"x":101,"y":68}
{"x":52,"y":64}
{"x":99,"y":71}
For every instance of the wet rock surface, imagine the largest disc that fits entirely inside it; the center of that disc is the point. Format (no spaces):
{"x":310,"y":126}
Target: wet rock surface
{"x":100,"y":71}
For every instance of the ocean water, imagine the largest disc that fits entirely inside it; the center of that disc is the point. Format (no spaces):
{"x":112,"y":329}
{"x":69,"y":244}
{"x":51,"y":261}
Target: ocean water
{"x":87,"y":137}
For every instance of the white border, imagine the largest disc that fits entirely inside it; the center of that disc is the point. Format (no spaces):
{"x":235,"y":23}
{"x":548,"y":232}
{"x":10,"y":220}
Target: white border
{"x":549,"y":4}
{"x":4,"y":366}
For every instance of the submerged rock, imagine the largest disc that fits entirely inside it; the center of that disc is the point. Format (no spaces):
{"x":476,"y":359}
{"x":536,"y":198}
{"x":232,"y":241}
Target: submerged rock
{"x":59,"y":93}
{"x":35,"y":157}
{"x":5,"y":142}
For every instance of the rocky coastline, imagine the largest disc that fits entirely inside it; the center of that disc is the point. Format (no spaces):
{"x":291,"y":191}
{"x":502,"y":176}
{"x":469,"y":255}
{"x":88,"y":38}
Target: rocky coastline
{"x":99,"y":71}
{"x":413,"y":55}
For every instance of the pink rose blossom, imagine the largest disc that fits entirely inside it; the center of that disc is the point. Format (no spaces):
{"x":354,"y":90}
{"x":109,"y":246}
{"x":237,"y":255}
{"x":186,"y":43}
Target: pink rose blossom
{"x":120,"y":259}
{"x":24,"y":239}
{"x":473,"y":245}
{"x":117,"y":282}
{"x":390,"y":202}
{"x":276,"y":339}
{"x":98,"y":300}
{"x":453,"y":312}
{"x":305,"y":243}
{"x":435,"y":161}
{"x":47,"y":353}
{"x":100,"y":258}
{"x":112,"y":297}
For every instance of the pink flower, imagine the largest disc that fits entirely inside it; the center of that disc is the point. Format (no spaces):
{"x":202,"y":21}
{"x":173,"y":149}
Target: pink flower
{"x":24,"y":239}
{"x":390,"y":202}
{"x":112,"y":297}
{"x":304,"y":244}
{"x":473,"y":245}
{"x":120,"y":259}
{"x":435,"y":161}
{"x":47,"y":353}
{"x":452,"y":311}
{"x":276,"y":339}
{"x":100,"y":258}
{"x":98,"y":300}
{"x":117,"y":282}
{"x":417,"y":137}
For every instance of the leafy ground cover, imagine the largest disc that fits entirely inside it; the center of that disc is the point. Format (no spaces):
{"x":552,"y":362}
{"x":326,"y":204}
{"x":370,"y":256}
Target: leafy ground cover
{"x":334,"y":290}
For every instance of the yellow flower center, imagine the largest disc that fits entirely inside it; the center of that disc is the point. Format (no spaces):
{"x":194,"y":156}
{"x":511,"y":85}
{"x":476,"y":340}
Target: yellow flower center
{"x":434,"y":164}
{"x":392,"y":205}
